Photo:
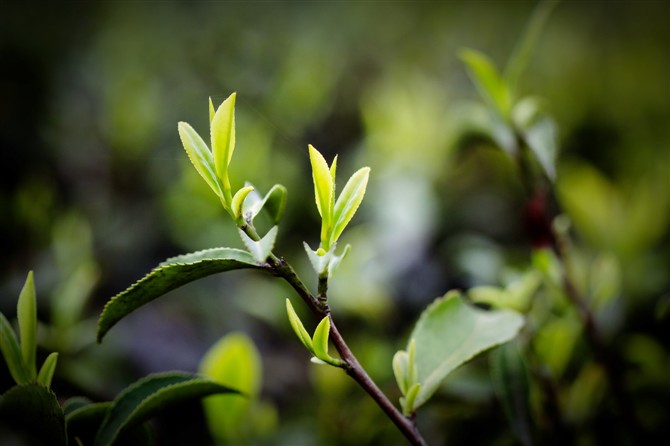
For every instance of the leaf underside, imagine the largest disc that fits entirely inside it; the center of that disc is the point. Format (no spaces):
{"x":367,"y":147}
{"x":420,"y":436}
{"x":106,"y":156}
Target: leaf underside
{"x":143,"y":399}
{"x":169,"y":275}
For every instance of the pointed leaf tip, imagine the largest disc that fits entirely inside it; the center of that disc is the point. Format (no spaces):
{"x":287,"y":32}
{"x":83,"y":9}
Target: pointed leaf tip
{"x":26,"y":310}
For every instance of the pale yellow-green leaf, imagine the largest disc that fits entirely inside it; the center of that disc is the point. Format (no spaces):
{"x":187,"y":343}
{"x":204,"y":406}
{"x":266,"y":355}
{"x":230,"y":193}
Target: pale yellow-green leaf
{"x":47,"y":370}
{"x":223,"y":138}
{"x":320,"y":339}
{"x":298,"y":328}
{"x":238,"y":201}
{"x":488,"y":81}
{"x":200,"y":156}
{"x":348,"y":202}
{"x":323,"y":187}
{"x":235,"y":361}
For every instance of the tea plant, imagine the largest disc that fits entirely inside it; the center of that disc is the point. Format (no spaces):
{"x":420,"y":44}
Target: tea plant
{"x":33,"y":408}
{"x":449,"y":332}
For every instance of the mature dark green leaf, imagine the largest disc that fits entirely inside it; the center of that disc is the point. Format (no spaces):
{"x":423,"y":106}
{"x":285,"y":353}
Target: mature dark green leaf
{"x":84,"y":419}
{"x":511,"y":383}
{"x":171,"y":274}
{"x":33,"y":409}
{"x":451,"y":332}
{"x":143,"y":399}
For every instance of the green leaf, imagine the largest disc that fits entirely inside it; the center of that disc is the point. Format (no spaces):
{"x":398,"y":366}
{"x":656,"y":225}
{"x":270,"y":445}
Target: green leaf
{"x":26,"y":311}
{"x":83,"y":418}
{"x":319,"y":262}
{"x":298,"y":328}
{"x":222,"y":130}
{"x":348,"y":202}
{"x":212,"y":111}
{"x":47,"y":371}
{"x":274,"y":204}
{"x":146,"y":397}
{"x":519,"y":59}
{"x":11,"y":351}
{"x":487,"y":81}
{"x":235,"y":361}
{"x":200,"y":156}
{"x":323,"y":191}
{"x":539,"y":131}
{"x":400,"y":370}
{"x":320,"y":342}
{"x":238,"y":201}
{"x":262,"y":248}
{"x":511,"y":384}
{"x":34,"y":409}
{"x":408,"y":402}
{"x":451,"y":332}
{"x":171,"y":274}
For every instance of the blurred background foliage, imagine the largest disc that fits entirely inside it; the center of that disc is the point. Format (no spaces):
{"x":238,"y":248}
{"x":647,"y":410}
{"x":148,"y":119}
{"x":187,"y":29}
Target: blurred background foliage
{"x":96,"y":190}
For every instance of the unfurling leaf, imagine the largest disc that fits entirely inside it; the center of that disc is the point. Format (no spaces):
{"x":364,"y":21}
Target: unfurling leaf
{"x":238,"y":201}
{"x":26,"y":311}
{"x":47,"y":370}
{"x":324,"y":190}
{"x":274,"y":204}
{"x":298,"y":328}
{"x":320,"y":343}
{"x":348,"y":202}
{"x":222,"y":130}
{"x":200,"y":156}
{"x":171,"y":274}
{"x":262,"y":248}
{"x":451,"y":332}
{"x":11,"y":351}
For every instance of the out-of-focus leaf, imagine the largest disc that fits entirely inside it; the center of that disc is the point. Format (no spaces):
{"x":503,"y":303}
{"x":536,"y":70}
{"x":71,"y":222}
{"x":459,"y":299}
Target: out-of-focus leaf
{"x":539,"y":131}
{"x":511,"y":383}
{"x":400,"y":369}
{"x":451,"y":332}
{"x":298,"y":328}
{"x":26,"y":311}
{"x":200,"y":156}
{"x":11,"y":351}
{"x":515,"y":296}
{"x":222,"y":130}
{"x":555,"y":341}
{"x":47,"y":370}
{"x":487,"y":81}
{"x":586,"y":393}
{"x":34,"y":410}
{"x":235,"y":361}
{"x":519,"y":59}
{"x":348,"y":202}
{"x":171,"y":274}
{"x":262,"y":248}
{"x":146,"y":397}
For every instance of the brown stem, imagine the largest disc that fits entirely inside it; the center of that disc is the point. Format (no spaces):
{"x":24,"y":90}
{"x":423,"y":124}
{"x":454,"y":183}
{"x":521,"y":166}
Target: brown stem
{"x":407,"y":426}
